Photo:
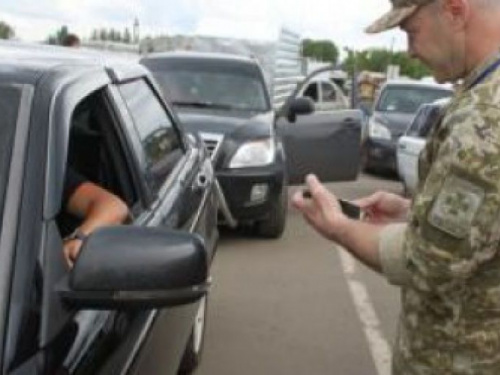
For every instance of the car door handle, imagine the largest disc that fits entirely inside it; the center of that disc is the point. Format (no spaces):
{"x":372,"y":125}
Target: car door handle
{"x":402,"y":146}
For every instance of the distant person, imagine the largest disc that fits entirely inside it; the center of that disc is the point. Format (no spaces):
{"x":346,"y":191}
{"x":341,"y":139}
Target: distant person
{"x":71,"y":40}
{"x":443,"y":248}
{"x":366,"y":93}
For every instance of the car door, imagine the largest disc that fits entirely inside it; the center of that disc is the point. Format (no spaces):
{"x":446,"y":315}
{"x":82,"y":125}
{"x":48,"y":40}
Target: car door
{"x":44,"y":335}
{"x":180,"y":183}
{"x":326,"y":143}
{"x":409,"y":147}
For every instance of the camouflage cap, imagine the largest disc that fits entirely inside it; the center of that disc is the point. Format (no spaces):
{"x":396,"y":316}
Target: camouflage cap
{"x":401,"y":10}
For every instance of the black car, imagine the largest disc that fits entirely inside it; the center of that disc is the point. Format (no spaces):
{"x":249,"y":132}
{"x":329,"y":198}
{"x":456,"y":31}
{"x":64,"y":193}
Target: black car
{"x":393,"y":111}
{"x":225,"y":99}
{"x":135,"y":300}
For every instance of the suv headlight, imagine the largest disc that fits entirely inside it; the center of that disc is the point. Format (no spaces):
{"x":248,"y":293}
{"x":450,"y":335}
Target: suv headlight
{"x":378,"y":130}
{"x":254,"y":154}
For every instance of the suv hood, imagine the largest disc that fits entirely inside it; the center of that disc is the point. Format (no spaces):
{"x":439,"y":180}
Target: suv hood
{"x":224,"y":123}
{"x":397,"y":123}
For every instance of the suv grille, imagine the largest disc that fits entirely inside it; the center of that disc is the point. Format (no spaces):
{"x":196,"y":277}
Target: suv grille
{"x":212,"y":143}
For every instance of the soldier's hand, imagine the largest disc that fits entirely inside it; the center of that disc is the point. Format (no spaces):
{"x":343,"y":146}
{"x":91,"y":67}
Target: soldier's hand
{"x":383,"y":207}
{"x":321,"y":210}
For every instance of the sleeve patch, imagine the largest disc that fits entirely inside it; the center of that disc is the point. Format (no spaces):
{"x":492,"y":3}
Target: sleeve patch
{"x":455,"y":206}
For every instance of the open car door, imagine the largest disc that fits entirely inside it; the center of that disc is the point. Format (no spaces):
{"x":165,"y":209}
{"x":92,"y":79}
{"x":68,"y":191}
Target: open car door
{"x":326,"y":143}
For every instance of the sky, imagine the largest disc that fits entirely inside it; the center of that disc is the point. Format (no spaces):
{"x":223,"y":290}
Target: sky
{"x":339,"y":21}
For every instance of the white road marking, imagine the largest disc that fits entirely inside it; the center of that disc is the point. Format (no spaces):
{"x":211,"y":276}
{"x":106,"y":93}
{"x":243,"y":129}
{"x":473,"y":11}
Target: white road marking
{"x":379,"y":347}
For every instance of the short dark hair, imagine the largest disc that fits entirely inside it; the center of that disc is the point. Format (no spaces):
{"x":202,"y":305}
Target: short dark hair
{"x":71,"y":40}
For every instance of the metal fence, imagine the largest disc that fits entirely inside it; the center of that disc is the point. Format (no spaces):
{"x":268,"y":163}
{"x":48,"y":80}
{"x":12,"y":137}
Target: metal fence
{"x":281,"y":59}
{"x":288,"y":67}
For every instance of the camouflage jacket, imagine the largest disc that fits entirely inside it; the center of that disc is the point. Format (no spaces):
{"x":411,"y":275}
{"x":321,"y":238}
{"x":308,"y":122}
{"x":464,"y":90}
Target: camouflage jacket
{"x":450,"y":319}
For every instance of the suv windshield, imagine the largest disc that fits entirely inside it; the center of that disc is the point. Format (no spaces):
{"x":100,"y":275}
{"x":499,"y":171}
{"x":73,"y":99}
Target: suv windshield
{"x":407,"y":99}
{"x":9,"y":107}
{"x":208,"y":84}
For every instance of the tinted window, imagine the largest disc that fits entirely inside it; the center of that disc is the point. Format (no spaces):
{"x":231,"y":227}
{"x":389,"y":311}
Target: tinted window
{"x":414,"y":128}
{"x":434,"y":115}
{"x":160,"y":141}
{"x":427,"y":117}
{"x":407,"y":99}
{"x":9,"y":108}
{"x":222,"y":84}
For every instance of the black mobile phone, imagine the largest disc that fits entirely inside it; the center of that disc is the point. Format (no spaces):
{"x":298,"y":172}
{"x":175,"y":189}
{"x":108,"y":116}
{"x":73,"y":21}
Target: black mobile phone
{"x":349,"y":209}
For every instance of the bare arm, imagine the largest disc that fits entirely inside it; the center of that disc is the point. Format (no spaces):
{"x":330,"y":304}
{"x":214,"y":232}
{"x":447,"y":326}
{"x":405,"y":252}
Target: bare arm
{"x":97,"y":207}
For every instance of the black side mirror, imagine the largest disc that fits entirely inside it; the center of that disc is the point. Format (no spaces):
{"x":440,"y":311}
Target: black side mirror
{"x":137,"y":267}
{"x":300,"y":106}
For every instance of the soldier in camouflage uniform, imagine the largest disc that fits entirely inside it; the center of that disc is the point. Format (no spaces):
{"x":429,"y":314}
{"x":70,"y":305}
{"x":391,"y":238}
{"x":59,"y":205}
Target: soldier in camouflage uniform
{"x":442,"y":248}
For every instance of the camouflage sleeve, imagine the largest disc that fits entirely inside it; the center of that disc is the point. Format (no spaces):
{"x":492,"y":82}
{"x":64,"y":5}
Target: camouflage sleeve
{"x":391,"y":254}
{"x":455,"y":222}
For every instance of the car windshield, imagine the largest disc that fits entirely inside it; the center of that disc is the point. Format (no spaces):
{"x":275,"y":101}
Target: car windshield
{"x":407,"y":99}
{"x":9,"y":107}
{"x":218,"y":86}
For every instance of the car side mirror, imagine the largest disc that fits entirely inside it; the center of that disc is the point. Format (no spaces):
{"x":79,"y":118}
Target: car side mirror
{"x":300,"y":106}
{"x":136,"y":267}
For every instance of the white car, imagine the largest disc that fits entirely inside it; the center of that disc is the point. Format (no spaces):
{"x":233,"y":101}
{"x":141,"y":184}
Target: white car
{"x":326,"y":94}
{"x":413,"y":141}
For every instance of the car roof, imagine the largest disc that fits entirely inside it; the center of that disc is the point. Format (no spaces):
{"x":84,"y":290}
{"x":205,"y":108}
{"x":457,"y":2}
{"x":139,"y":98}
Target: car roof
{"x":437,"y":103}
{"x":201,"y":55}
{"x":24,"y":63}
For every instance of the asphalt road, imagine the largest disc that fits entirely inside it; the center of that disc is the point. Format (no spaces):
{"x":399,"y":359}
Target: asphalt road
{"x":299,"y":305}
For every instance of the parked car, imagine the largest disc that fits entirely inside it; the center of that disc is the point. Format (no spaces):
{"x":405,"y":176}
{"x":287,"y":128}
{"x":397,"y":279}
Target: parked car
{"x":135,"y":301}
{"x":325,"y":93}
{"x":413,"y":141}
{"x":394,"y":109}
{"x":224,"y":98}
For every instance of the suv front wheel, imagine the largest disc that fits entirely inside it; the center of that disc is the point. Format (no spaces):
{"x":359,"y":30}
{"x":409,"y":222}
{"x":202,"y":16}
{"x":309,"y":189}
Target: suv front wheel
{"x":274,"y":225}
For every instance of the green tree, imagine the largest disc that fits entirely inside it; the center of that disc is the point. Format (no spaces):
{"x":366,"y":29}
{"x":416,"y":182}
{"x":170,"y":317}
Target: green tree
{"x":59,"y":36}
{"x":103,"y":34}
{"x":127,"y":37}
{"x":377,"y":60}
{"x":322,"y":50}
{"x":6,"y":31}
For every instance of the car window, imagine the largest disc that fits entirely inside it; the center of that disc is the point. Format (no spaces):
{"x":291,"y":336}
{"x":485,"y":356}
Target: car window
{"x":214,"y":85}
{"x":328,"y":91}
{"x":96,"y":153}
{"x":416,"y":124}
{"x":312,"y":91}
{"x":160,"y":141}
{"x":9,"y":108}
{"x":432,"y":118}
{"x":407,"y":99}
